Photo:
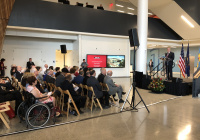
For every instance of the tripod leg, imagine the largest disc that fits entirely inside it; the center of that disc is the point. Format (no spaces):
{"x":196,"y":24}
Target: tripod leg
{"x":126,"y":98}
{"x":142,"y":100}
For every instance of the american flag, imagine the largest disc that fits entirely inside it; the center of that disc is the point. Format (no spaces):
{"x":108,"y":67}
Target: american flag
{"x":181,"y":62}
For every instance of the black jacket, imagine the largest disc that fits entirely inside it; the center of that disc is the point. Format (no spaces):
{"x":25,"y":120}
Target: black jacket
{"x":101,"y":78}
{"x":170,"y":58}
{"x":29,"y":64}
{"x":18,"y":76}
{"x":60,"y":79}
{"x":50,"y":79}
{"x":66,"y":85}
{"x":92,"y":81}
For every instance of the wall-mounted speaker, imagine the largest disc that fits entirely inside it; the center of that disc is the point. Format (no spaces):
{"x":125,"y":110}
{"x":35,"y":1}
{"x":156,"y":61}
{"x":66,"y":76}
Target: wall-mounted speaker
{"x":63,"y":48}
{"x":133,"y":37}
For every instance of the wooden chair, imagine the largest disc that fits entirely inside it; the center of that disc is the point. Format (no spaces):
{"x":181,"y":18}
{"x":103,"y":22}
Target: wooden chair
{"x":106,"y":88}
{"x":3,"y":108}
{"x":87,"y":98}
{"x":15,"y":83}
{"x":70,"y":100}
{"x":80,"y":86}
{"x":94,"y":97}
{"x":21,"y":89}
{"x":60,"y":100}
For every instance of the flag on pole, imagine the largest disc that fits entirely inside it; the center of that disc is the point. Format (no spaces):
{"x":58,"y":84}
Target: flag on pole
{"x":187,"y":62}
{"x":181,"y":62}
{"x":198,"y":63}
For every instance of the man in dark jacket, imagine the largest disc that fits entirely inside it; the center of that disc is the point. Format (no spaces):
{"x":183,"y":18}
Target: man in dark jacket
{"x":102,"y":75}
{"x":93,"y":82}
{"x":49,"y":78}
{"x":169,"y":63}
{"x":29,"y":64}
{"x":67,"y":85}
{"x":18,"y":75}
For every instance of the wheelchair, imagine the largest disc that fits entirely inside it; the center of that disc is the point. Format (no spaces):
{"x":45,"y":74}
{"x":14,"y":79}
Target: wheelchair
{"x":34,"y":113}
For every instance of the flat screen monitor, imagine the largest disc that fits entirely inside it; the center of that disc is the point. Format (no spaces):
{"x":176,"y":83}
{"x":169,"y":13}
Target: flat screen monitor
{"x":115,"y":61}
{"x":96,"y":61}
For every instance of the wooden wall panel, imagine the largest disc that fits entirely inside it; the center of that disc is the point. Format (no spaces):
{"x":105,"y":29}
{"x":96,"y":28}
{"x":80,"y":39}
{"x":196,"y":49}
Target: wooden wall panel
{"x":5,"y":10}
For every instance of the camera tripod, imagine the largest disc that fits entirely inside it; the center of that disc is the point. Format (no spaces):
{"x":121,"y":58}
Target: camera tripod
{"x":133,"y":85}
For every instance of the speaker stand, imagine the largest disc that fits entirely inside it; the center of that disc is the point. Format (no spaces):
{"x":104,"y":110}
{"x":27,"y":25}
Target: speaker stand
{"x":64,"y":60}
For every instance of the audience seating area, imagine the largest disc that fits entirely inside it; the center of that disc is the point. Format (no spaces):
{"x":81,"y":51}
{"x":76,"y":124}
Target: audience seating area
{"x":65,"y":103}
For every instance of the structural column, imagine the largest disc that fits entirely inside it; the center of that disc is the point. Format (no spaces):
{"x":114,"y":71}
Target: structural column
{"x":142,"y":24}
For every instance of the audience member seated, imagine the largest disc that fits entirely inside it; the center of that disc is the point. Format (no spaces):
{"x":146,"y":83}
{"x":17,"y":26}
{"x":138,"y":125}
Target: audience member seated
{"x":102,"y":75}
{"x":57,"y":69}
{"x":87,"y":75}
{"x":25,"y":77}
{"x":13,"y":69}
{"x":51,"y":67}
{"x":79,"y":100}
{"x":93,"y":82}
{"x":79,"y":79}
{"x":30,"y":64}
{"x":61,"y":78}
{"x":18,"y":75}
{"x":100,"y":7}
{"x":38,"y":75}
{"x":6,"y":83}
{"x":38,"y":85}
{"x":77,"y":70}
{"x":72,"y":71}
{"x":113,"y":88}
{"x":49,"y":77}
{"x":44,"y":69}
{"x":10,"y":96}
{"x":32,"y":81}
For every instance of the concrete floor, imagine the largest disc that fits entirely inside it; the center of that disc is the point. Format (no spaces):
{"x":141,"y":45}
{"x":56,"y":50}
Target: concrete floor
{"x":170,"y":117}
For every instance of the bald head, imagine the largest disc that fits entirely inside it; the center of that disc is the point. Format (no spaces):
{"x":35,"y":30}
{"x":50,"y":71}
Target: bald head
{"x":109,"y":73}
{"x":103,"y":71}
{"x":46,"y":66}
{"x":19,"y":68}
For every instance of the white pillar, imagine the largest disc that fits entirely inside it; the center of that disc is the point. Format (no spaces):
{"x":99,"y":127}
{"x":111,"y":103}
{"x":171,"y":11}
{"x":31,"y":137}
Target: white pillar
{"x":142,"y":24}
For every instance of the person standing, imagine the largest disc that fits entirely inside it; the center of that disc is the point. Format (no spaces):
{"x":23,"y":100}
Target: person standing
{"x":169,"y":62}
{"x":30,"y":63}
{"x":84,"y":64}
{"x":150,"y":66}
{"x":2,"y":67}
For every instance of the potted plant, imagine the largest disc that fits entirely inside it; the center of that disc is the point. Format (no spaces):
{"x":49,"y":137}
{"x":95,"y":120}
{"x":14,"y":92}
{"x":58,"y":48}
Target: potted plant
{"x":156,"y":85}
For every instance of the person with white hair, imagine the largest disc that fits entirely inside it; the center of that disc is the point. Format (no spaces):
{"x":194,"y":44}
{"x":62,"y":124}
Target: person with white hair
{"x":44,"y":69}
{"x":36,"y":73}
{"x":113,"y":88}
{"x":18,"y":75}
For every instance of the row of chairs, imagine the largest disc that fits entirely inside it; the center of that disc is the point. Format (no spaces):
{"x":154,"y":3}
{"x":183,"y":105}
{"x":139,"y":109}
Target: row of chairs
{"x":60,"y":100}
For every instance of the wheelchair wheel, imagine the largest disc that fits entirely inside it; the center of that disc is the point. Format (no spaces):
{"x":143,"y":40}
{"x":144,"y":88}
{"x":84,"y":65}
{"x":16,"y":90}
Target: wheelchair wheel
{"x":38,"y":115}
{"x":21,"y":111}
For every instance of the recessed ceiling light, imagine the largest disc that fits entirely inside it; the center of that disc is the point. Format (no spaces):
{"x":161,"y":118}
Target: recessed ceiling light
{"x":150,"y":13}
{"x":119,"y":5}
{"x":120,"y":11}
{"x":130,"y":13}
{"x":187,"y":21}
{"x":130,"y":8}
{"x":165,"y":46}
